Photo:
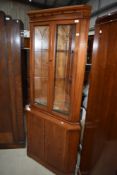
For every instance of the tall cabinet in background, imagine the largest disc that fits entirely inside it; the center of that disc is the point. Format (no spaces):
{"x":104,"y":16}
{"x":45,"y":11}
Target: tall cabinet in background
{"x":99,"y":154}
{"x":57,"y":64}
{"x":11,"y":105}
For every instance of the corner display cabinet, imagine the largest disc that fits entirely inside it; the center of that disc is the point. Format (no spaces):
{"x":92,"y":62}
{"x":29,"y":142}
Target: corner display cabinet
{"x":57,"y":64}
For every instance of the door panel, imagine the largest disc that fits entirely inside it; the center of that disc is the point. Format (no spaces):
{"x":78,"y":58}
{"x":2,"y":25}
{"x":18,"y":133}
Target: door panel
{"x":41,"y":45}
{"x":55,"y":144}
{"x":61,"y":144}
{"x":65,"y":39}
{"x":52,"y":142}
{"x":35,"y":125}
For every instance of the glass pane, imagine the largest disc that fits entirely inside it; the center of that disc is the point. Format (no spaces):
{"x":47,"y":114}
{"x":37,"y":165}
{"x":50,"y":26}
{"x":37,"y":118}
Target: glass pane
{"x":63,"y":68}
{"x":41,"y":64}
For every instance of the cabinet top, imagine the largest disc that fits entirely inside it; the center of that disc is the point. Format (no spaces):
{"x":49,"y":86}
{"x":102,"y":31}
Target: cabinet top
{"x":79,"y":11}
{"x":107,"y":18}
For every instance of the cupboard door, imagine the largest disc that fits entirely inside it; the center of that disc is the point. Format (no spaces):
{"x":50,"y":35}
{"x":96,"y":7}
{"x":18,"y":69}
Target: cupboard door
{"x":64,"y":53}
{"x":57,"y":67}
{"x":41,"y":53}
{"x":35,"y":136}
{"x":61,"y":144}
{"x":52,"y":142}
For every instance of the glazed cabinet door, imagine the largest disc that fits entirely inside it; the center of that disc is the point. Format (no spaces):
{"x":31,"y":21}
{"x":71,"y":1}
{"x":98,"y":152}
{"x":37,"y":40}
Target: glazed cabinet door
{"x":57,"y":68}
{"x":52,"y":73}
{"x":69,"y":64}
{"x":63,"y":74}
{"x":40,"y":65}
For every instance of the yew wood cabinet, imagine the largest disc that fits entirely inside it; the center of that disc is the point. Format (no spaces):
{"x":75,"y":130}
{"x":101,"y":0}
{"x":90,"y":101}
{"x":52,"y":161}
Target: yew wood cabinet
{"x":57,"y":63}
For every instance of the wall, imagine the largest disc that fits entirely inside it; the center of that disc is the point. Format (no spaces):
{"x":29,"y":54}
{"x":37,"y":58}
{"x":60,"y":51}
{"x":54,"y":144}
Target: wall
{"x":97,"y":4}
{"x":16,"y":10}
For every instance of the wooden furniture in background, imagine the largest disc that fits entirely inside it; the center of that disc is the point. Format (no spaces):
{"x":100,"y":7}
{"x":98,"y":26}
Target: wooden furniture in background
{"x":11,"y":105}
{"x":99,"y":155}
{"x":57,"y":63}
{"x":26,"y":43}
{"x":89,"y":60}
{"x":25,"y":70}
{"x":90,"y":49}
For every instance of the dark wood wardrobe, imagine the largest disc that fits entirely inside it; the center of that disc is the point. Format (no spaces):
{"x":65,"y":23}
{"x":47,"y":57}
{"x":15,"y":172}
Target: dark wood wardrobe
{"x":99,"y":154}
{"x":11,"y":96}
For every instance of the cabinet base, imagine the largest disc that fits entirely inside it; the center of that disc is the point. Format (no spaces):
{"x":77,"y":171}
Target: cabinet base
{"x":54,"y":170}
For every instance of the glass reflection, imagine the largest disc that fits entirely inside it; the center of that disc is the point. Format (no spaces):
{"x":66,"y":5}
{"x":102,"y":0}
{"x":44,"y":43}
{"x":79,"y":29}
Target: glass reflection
{"x":63,"y":67}
{"x":41,"y":64}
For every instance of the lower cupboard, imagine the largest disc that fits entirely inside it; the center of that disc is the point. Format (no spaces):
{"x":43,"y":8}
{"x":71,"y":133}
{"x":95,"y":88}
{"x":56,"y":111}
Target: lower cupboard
{"x":52,"y":142}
